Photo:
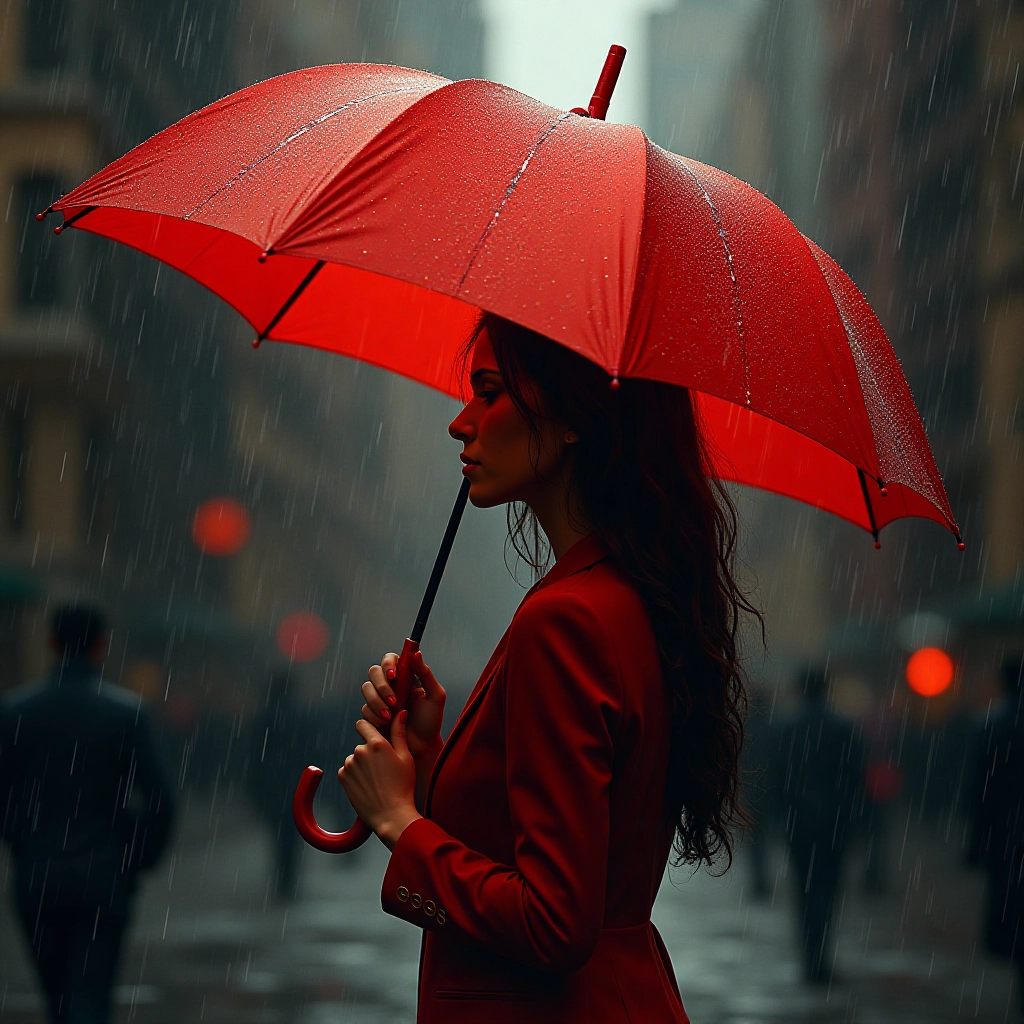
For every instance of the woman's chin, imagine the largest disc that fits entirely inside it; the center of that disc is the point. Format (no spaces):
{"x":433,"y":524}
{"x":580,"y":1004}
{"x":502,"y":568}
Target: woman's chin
{"x":481,"y":496}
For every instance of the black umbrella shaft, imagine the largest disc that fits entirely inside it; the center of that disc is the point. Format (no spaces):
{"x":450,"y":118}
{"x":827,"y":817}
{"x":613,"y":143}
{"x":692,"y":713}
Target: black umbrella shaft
{"x":440,"y":562}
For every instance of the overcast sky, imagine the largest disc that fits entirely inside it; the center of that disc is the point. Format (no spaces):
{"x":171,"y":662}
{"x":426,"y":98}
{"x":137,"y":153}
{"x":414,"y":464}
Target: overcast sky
{"x":554,"y":49}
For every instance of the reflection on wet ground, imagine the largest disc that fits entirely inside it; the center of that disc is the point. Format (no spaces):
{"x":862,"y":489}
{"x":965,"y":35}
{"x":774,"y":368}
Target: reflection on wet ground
{"x":210,"y":944}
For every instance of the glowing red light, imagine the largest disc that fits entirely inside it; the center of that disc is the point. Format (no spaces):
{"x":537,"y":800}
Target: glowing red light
{"x":930,"y":671}
{"x":221,"y":527}
{"x":302,"y":636}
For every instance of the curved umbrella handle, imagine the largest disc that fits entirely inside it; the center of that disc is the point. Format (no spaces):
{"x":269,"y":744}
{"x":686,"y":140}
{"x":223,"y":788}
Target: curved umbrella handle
{"x":302,"y":802}
{"x":305,"y":822}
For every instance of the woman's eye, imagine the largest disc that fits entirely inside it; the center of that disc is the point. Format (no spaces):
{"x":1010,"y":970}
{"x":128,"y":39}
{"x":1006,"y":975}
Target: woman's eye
{"x":489,"y":396}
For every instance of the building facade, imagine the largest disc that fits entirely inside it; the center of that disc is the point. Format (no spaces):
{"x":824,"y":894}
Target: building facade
{"x":131,"y":396}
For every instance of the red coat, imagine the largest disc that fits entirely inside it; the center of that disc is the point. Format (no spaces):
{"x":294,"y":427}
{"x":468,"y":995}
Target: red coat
{"x":534,"y":871}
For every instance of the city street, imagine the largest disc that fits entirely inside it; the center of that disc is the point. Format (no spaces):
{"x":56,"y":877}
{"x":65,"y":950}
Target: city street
{"x":208,"y":944}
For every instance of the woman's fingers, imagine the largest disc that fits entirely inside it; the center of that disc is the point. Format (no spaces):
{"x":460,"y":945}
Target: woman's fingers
{"x":389,"y":663}
{"x":431,"y":687}
{"x":378,"y":679}
{"x":375,"y":709}
{"x":368,"y":733}
{"x":373,"y":719}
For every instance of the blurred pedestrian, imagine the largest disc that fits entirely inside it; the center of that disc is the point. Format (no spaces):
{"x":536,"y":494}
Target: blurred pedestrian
{"x":280,"y":749}
{"x":86,"y":809}
{"x":821,"y":791}
{"x":996,"y":812}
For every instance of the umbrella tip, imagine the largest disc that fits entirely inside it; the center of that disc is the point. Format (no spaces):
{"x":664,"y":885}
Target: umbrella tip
{"x":256,"y":342}
{"x":878,"y":545}
{"x":960,"y":545}
{"x":262,"y":258}
{"x":41,"y":215}
{"x":58,"y":229}
{"x":602,"y":97}
{"x":614,"y":384}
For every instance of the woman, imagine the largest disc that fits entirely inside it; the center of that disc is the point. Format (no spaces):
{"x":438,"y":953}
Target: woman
{"x":531,"y":844}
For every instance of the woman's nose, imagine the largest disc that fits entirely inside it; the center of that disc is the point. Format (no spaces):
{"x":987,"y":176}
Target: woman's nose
{"x":461,"y":428}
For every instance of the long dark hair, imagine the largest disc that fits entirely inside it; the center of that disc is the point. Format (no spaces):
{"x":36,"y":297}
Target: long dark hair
{"x":641,"y":479}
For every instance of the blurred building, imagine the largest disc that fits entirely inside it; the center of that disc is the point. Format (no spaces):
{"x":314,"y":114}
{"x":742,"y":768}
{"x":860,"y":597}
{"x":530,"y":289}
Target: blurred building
{"x":695,"y":48}
{"x":998,"y":248}
{"x":130,"y":395}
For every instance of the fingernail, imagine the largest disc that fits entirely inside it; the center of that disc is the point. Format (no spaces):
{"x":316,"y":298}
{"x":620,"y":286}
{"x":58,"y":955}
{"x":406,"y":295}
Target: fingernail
{"x":402,"y":716}
{"x":391,"y":673}
{"x":391,"y":699}
{"x":385,"y":714}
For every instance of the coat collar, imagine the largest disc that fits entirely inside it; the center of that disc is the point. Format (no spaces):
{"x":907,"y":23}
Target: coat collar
{"x":582,"y":555}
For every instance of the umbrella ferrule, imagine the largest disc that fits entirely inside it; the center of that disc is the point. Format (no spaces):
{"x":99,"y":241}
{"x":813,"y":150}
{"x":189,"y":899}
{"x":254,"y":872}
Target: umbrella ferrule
{"x":602,"y":97}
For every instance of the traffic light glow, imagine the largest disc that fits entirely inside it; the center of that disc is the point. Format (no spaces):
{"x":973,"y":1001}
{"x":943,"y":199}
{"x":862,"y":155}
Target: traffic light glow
{"x":930,"y":671}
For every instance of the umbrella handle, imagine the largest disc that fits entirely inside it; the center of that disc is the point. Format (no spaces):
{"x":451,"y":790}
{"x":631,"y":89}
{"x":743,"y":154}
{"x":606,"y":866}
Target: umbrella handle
{"x":302,"y":802}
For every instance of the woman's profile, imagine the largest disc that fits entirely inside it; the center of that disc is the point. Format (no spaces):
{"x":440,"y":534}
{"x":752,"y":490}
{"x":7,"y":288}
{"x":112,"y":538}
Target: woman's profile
{"x":605,"y":730}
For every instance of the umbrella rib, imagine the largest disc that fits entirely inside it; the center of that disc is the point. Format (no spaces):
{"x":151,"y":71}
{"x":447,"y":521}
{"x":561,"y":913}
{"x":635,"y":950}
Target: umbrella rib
{"x":512,"y":185}
{"x":867,"y":503}
{"x":291,"y":300}
{"x":74,"y":219}
{"x":308,"y":127}
{"x":732,"y":273}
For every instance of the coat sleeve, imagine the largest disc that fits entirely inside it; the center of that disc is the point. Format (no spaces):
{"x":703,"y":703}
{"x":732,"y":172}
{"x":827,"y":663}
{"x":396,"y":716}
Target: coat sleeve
{"x":562,"y":704}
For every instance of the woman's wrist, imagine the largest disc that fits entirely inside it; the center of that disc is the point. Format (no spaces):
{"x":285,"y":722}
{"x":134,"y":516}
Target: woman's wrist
{"x":390,"y":828}
{"x":429,"y":754}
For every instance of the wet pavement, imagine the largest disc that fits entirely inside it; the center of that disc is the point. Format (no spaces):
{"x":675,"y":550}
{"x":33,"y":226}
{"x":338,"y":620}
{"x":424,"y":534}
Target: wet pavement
{"x":210,"y":944}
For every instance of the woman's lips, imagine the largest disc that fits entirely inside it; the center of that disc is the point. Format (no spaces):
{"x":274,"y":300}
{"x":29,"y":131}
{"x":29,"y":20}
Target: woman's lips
{"x":470,"y":464}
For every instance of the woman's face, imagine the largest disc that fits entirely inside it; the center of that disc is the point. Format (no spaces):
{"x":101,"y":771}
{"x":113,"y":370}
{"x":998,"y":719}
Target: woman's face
{"x":499,"y":455}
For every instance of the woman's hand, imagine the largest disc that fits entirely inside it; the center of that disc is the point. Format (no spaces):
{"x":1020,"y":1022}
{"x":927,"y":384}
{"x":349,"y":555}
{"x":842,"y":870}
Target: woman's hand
{"x":380,"y":781}
{"x":425,"y":706}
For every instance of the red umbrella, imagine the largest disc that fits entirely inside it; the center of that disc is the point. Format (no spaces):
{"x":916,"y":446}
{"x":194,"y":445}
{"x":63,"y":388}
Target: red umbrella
{"x":375,"y":211}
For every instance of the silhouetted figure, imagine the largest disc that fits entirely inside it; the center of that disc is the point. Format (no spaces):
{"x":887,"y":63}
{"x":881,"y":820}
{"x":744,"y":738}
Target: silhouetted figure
{"x":85,"y":809}
{"x":821,"y":792}
{"x":281,"y":748}
{"x":996,"y":810}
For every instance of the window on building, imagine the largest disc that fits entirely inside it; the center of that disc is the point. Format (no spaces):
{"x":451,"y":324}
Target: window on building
{"x":37,"y":270}
{"x":47,"y":31}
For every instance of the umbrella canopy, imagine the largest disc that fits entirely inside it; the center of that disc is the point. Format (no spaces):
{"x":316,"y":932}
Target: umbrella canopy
{"x":375,"y":211}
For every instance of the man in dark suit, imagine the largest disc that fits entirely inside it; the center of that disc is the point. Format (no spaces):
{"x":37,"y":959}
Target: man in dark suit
{"x":84,"y":808}
{"x":822,"y":761}
{"x":996,"y":811}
